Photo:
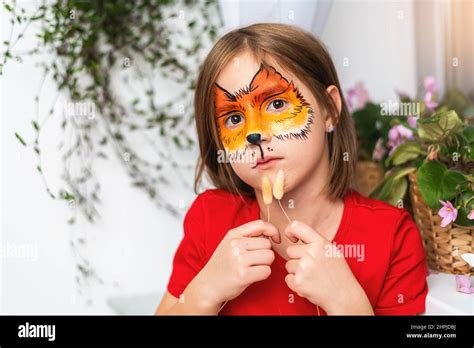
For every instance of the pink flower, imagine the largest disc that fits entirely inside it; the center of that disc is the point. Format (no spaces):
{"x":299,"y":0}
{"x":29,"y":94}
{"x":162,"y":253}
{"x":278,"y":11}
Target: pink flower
{"x":470,"y":216}
{"x":463,"y":284}
{"x":357,"y":97}
{"x":379,"y":150}
{"x":397,"y":135}
{"x":430,"y":84}
{"x":448,"y":212}
{"x":412,"y":121}
{"x":429,"y":102}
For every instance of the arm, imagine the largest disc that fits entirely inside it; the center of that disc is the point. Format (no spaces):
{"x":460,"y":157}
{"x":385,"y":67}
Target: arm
{"x":193,"y":301}
{"x":243,"y":257}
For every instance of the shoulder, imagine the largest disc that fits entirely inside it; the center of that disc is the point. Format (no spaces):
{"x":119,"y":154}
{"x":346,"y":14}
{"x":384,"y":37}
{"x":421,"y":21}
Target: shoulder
{"x":214,"y":212}
{"x":374,"y":211}
{"x":215,"y":199}
{"x":388,"y":233}
{"x":380,"y":221}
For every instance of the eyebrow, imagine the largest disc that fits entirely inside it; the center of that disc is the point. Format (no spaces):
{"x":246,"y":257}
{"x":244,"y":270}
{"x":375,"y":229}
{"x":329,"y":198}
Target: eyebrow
{"x":270,"y":92}
{"x":227,"y":113}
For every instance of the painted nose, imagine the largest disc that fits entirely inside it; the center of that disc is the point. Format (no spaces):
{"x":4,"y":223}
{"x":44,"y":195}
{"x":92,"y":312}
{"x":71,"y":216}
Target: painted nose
{"x":254,"y":138}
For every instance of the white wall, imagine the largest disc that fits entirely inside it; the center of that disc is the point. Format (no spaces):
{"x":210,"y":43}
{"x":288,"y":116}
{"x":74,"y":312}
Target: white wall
{"x":134,"y":242}
{"x":376,"y":38}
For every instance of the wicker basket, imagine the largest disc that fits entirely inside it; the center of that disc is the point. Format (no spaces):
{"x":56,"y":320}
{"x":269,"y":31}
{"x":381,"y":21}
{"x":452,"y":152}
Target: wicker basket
{"x":368,"y":175}
{"x":443,"y":245}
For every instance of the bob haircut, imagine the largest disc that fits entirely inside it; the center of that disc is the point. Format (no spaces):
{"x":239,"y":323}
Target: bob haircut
{"x":304,"y":56}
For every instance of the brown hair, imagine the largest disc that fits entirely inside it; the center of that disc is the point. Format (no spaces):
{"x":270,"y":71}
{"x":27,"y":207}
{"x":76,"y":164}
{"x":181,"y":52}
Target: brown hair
{"x":306,"y":57}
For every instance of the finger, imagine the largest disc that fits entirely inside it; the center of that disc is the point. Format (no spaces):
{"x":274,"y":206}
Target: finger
{"x":259,"y":257}
{"x":256,"y":243}
{"x":258,"y":273}
{"x":295,"y":251}
{"x":290,"y":281}
{"x":292,"y":266}
{"x":299,"y":230}
{"x":258,"y":228}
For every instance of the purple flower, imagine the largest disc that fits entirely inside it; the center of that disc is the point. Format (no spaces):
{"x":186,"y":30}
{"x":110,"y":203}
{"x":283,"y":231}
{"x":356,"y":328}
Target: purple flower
{"x":412,"y":121}
{"x":463,"y":284}
{"x":448,"y":212}
{"x":379,"y":150}
{"x":470,"y":216}
{"x":357,"y":97}
{"x":431,"y":84}
{"x":397,"y":135}
{"x":429,"y":102}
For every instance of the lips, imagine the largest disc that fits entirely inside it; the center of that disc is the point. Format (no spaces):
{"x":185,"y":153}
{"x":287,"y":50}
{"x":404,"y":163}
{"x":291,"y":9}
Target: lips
{"x":267,"y":162}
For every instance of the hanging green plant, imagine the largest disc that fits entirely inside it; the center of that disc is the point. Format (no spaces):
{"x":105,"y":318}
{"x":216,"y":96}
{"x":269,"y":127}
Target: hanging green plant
{"x":88,"y":46}
{"x":152,"y":50}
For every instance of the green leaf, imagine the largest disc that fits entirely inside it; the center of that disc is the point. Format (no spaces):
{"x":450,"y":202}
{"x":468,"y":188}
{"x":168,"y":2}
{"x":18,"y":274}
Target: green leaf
{"x":439,"y":125}
{"x":399,"y":189}
{"x":468,"y":133}
{"x":436,"y":182}
{"x":405,"y":152}
{"x":456,"y":100}
{"x":176,"y":140}
{"x":66,"y":196}
{"x":462,"y":217}
{"x":35,"y":125}
{"x":20,"y":139}
{"x":370,"y":126}
{"x":403,"y":172}
{"x":394,"y":186}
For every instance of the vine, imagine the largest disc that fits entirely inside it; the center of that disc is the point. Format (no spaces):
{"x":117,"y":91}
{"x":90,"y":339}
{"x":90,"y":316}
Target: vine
{"x":90,"y":49}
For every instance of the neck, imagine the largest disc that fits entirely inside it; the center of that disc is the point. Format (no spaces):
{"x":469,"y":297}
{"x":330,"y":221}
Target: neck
{"x":308,"y":202}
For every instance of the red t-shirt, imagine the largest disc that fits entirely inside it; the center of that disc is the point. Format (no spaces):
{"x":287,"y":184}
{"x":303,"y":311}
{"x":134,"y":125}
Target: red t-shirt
{"x":381,"y":244}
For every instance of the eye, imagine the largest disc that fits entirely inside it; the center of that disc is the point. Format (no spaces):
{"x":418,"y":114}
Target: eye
{"x":277,"y":105}
{"x":233,"y":121}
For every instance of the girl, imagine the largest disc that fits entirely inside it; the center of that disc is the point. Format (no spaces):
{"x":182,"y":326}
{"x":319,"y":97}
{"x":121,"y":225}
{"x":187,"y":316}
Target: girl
{"x":269,"y":109}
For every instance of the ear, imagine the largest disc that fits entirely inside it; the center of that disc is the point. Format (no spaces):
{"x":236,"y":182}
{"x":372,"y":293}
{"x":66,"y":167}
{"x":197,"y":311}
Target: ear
{"x":334,"y":94}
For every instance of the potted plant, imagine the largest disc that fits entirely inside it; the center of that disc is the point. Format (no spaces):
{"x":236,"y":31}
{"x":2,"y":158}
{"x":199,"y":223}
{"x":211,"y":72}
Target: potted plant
{"x":371,"y":129}
{"x":436,"y":161}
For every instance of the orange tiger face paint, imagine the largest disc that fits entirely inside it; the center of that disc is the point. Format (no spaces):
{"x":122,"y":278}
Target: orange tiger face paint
{"x":270,"y":105}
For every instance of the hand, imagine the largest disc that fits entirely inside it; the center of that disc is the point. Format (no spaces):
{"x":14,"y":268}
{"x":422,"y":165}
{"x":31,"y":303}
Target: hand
{"x":318,"y":272}
{"x":243,"y":257}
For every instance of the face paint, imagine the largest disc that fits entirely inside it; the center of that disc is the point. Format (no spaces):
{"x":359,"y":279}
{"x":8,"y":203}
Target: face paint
{"x":268,"y":106}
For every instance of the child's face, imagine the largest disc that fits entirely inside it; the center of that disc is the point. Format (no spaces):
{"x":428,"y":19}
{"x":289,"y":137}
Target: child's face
{"x":269,"y":120}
